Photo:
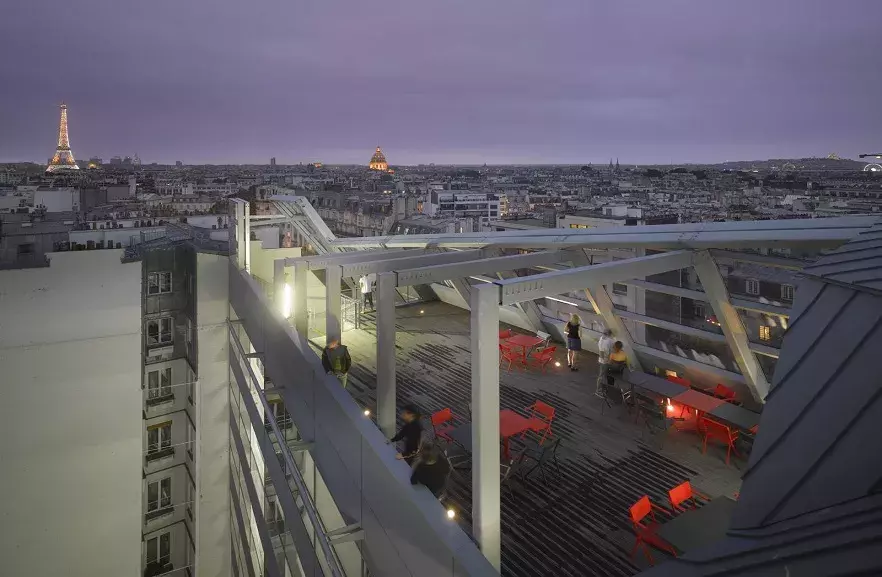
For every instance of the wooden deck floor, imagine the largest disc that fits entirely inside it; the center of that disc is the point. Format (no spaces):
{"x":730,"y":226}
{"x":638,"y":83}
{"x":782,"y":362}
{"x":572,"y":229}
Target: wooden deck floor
{"x":576,"y":525}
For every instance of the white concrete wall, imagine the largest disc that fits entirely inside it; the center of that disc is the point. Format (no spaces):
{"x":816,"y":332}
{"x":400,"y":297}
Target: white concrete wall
{"x":213,"y":417}
{"x":262,"y":259}
{"x":70,"y":417}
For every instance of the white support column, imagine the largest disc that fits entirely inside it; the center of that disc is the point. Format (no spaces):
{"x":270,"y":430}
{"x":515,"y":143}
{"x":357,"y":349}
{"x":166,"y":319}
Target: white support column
{"x":386,"y":384}
{"x":486,"y":517}
{"x":730,"y":322}
{"x":301,"y":313}
{"x":279,"y":283}
{"x":246,"y":232}
{"x":240,"y":234}
{"x":333,"y":309}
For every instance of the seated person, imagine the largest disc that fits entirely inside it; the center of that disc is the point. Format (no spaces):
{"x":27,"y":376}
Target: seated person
{"x":431,"y":468}
{"x":618,"y":362}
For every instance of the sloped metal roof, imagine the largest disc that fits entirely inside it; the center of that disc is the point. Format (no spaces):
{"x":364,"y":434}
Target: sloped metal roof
{"x":811,"y":502}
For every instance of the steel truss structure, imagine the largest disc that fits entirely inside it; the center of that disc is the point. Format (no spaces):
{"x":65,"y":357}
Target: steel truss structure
{"x":563,"y":254}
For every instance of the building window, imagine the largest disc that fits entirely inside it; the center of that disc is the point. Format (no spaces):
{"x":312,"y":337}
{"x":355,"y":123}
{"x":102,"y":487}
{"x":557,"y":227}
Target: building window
{"x":619,"y":289}
{"x":765,"y":333}
{"x":159,"y":495}
{"x":159,"y":437}
{"x":752,"y":286}
{"x":620,"y":307}
{"x":159,"y":283}
{"x":159,"y":331}
{"x":786,"y":292}
{"x":27,"y":248}
{"x":159,"y":383}
{"x":159,"y":549}
{"x":699,"y":311}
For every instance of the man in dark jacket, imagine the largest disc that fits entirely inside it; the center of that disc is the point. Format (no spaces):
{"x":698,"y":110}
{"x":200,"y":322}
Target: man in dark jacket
{"x":414,"y":433}
{"x":336,"y":360}
{"x":431,"y":469}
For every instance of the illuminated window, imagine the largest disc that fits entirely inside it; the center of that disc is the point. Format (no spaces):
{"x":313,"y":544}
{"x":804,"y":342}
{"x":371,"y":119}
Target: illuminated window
{"x":765,"y":333}
{"x":786,"y":292}
{"x":752,"y":286}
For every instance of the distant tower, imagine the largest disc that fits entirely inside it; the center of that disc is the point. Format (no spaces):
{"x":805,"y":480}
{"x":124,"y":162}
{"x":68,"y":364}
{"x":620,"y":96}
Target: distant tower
{"x":273,"y":161}
{"x":64,"y":158}
{"x":611,"y":166}
{"x":378,"y":161}
{"x":617,"y":166}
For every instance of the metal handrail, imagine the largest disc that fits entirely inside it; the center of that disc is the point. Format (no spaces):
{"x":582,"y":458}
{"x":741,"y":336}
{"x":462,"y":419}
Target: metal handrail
{"x":308,"y":504}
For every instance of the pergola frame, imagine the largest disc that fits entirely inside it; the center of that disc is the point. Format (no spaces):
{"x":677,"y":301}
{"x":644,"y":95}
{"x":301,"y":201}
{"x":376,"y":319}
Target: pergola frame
{"x":389,"y":280}
{"x":485,"y":301}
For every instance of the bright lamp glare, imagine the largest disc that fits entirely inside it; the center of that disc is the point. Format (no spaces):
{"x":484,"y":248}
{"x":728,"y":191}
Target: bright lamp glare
{"x":287,"y":301}
{"x":421,"y":312}
{"x":556,"y":363}
{"x":367,"y":412}
{"x":451,"y":513}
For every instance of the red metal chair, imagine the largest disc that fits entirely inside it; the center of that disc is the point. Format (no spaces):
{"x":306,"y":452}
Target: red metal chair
{"x":542,"y":357}
{"x":725,"y":393}
{"x":440,"y":418}
{"x":645,"y":530}
{"x":506,"y":334}
{"x":507,"y":353}
{"x":683,"y":497}
{"x":711,"y":429}
{"x":541,"y":416}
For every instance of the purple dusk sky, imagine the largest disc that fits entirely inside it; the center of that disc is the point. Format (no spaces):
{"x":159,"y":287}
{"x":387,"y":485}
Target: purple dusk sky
{"x":451,"y":81}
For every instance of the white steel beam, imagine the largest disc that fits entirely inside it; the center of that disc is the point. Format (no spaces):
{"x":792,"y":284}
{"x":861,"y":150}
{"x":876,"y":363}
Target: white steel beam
{"x":443,"y":272}
{"x":357,"y":269}
{"x":486,"y":516}
{"x":320,"y":262}
{"x":333,"y":308}
{"x":557,"y":282}
{"x":813,"y":233}
{"x":386,"y":377}
{"x":730,"y":322}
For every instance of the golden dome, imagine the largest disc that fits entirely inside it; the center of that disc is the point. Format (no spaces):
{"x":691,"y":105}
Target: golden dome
{"x":378,"y":161}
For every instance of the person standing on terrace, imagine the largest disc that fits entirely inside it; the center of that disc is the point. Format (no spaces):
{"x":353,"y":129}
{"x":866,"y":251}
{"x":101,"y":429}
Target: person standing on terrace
{"x":574,"y":340}
{"x":336,"y":360}
{"x":604,"y":349}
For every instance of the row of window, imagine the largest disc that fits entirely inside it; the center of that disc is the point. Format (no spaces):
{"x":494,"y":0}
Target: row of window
{"x":752,"y":287}
{"x":160,"y":331}
{"x":159,"y":549}
{"x":159,"y":283}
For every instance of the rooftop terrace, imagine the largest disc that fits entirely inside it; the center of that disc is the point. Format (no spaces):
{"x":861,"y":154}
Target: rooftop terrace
{"x":576,"y":525}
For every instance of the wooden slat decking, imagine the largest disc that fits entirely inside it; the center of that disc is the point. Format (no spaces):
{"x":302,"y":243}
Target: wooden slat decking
{"x":577,"y":525}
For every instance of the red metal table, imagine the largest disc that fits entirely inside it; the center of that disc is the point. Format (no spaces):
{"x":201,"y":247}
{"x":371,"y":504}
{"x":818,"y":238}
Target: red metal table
{"x":524,"y":342}
{"x":510,"y":424}
{"x":697,"y":400}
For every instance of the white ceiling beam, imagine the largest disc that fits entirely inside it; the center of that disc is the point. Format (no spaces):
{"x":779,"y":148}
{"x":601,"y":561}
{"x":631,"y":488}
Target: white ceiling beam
{"x":443,"y":272}
{"x":554,"y":283}
{"x":322,"y":261}
{"x":375,"y":266}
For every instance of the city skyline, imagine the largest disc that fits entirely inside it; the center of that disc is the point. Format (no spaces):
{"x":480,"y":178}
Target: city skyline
{"x":682,"y":83}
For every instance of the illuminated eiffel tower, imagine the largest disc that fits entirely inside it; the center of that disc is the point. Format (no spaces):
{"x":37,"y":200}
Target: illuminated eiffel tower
{"x":64,"y":158}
